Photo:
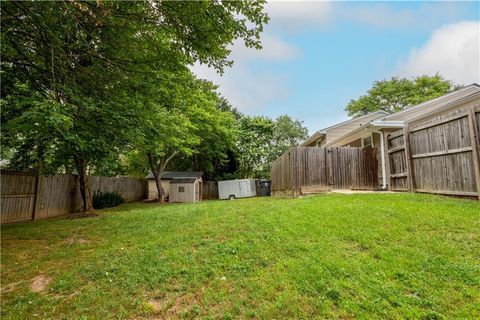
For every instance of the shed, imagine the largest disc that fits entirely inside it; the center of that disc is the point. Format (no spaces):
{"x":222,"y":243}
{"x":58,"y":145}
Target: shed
{"x":184,"y":190}
{"x":168,"y":176}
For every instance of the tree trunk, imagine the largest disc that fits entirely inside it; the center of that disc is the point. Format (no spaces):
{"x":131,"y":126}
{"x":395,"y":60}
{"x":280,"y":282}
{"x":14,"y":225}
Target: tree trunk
{"x":158,"y":183}
{"x":157,"y":171}
{"x":81,"y":165}
{"x":157,"y":174}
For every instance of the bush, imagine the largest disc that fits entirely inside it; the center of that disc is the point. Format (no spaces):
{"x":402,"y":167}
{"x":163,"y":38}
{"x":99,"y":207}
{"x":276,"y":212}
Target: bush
{"x":106,"y":199}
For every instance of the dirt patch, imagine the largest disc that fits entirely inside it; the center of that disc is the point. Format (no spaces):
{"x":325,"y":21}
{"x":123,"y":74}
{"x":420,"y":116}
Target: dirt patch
{"x":155,"y":305}
{"x":40,"y":283}
{"x":77,"y":240}
{"x":66,"y":296}
{"x":72,"y":240}
{"x":80,"y":215}
{"x":11,"y":287}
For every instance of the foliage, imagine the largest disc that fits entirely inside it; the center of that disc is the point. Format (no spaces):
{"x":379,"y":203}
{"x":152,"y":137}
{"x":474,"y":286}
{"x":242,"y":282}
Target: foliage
{"x":287,"y":133}
{"x":254,"y":143}
{"x":331,"y":256}
{"x":106,"y":199}
{"x":183,"y":120}
{"x":262,"y":140}
{"x":77,"y":76}
{"x":398,"y":93}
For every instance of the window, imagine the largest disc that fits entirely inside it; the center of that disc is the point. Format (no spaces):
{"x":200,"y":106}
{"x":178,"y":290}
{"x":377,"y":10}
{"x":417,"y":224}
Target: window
{"x":367,"y":142}
{"x":181,"y":189}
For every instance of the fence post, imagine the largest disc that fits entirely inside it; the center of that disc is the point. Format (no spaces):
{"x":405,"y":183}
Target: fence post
{"x":472,"y":126}
{"x":386,"y":141}
{"x":39,"y":181}
{"x":329,"y":162}
{"x":296,"y":192}
{"x":408,"y":158}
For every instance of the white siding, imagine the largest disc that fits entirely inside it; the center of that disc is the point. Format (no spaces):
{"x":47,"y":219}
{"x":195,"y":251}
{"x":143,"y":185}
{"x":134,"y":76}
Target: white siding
{"x":189,"y":194}
{"x":152,"y":188}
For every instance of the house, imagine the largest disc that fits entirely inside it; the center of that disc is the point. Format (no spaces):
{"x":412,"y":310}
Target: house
{"x":372,"y":129}
{"x":170,"y":178}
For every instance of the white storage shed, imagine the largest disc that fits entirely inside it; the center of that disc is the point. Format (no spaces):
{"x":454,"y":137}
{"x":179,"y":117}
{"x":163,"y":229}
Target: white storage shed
{"x":233,"y":189}
{"x":167,"y":176}
{"x":184,"y":190}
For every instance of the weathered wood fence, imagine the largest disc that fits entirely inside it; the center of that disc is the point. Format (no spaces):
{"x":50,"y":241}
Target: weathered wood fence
{"x":439,"y":156}
{"x":303,"y":170}
{"x":29,"y":197}
{"x":210,"y":190}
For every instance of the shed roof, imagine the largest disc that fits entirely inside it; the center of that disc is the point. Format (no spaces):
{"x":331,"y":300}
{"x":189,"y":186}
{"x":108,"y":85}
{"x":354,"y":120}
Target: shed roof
{"x":183,"y":180}
{"x":178,"y":174}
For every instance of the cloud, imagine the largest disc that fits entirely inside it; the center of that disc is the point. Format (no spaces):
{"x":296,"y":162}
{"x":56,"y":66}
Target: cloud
{"x":300,"y":16}
{"x":381,"y":15}
{"x":273,"y":49}
{"x":245,"y":86}
{"x":453,"y":51}
{"x":294,"y":16}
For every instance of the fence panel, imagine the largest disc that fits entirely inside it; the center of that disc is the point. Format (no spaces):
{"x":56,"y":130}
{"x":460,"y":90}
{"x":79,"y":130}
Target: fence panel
{"x":210,"y":190}
{"x":17,"y":197}
{"x":57,"y":194}
{"x":304,"y":170}
{"x":282,"y":173}
{"x":442,"y":155}
{"x":398,"y":164}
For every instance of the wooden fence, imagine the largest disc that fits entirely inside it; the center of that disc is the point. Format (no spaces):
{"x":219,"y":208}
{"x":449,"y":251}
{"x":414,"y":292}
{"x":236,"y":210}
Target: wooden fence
{"x":303,"y":170}
{"x":440,"y":155}
{"x":210,"y":190}
{"x":28,"y":197}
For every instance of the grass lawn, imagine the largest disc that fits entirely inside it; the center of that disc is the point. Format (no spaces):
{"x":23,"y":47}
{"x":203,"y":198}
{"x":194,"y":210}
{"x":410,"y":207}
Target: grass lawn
{"x":363,"y":256}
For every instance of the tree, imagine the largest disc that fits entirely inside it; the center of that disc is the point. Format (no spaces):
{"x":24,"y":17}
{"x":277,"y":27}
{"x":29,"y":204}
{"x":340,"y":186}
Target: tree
{"x":215,"y":155}
{"x":184,"y":121}
{"x":396,"y":94}
{"x":262,"y":140}
{"x":287,"y":133}
{"x":253,"y":145}
{"x":83,"y":63}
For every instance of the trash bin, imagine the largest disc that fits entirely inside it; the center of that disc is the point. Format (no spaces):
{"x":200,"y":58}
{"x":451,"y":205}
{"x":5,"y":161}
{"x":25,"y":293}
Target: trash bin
{"x":264,"y":188}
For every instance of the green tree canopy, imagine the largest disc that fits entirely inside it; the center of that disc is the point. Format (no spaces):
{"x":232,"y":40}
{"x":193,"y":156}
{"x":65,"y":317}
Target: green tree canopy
{"x":396,"y":94}
{"x":76,"y":76}
{"x":262,"y":140}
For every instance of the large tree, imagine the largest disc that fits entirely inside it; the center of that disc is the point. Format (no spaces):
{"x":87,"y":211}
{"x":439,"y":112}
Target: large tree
{"x":83,"y":62}
{"x":261,"y":140}
{"x":396,"y":94}
{"x":215,"y":155}
{"x":287,"y":133}
{"x":183,"y":121}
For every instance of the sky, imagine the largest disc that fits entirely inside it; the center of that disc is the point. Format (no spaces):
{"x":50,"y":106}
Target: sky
{"x":317,"y":56}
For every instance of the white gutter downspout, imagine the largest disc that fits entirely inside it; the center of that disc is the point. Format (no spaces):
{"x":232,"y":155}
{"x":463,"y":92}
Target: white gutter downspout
{"x":382,"y":152}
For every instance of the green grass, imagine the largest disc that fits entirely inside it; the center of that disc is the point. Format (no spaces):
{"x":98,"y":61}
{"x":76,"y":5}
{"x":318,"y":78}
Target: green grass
{"x":370,"y":256}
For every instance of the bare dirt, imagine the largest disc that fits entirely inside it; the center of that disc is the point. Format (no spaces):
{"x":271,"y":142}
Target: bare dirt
{"x":40,"y":283}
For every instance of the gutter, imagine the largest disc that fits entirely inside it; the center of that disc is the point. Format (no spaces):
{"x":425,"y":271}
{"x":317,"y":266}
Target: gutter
{"x":388,"y":123}
{"x":382,"y":154}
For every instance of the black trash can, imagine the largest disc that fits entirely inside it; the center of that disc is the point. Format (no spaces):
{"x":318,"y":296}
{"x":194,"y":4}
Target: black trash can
{"x":264,"y":188}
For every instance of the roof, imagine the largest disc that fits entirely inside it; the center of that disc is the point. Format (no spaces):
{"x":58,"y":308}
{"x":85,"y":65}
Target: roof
{"x":183,"y":180}
{"x":418,"y":111}
{"x":178,"y":174}
{"x":434,"y":105}
{"x":368,"y":117}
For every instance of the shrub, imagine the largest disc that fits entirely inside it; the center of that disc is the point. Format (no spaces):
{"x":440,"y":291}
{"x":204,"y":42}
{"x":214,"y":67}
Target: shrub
{"x":106,"y":199}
